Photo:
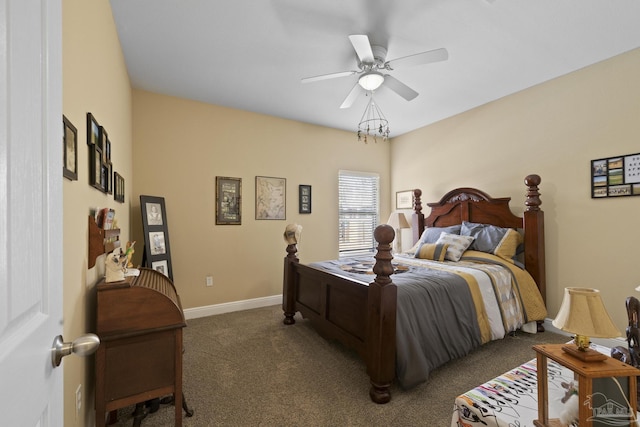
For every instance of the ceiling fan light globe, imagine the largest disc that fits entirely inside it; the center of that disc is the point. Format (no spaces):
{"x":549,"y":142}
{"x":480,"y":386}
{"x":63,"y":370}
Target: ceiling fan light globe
{"x":371,"y":80}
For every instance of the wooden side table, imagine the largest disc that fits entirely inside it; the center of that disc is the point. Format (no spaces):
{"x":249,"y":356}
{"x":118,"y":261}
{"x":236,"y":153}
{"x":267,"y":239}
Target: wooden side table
{"x":586,"y":372}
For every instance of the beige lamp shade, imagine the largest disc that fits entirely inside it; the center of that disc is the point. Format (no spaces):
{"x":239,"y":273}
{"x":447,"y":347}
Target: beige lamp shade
{"x":397,"y":220}
{"x":583,"y":313}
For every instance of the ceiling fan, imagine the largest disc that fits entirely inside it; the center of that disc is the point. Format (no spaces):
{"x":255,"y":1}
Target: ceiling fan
{"x":373,"y":66}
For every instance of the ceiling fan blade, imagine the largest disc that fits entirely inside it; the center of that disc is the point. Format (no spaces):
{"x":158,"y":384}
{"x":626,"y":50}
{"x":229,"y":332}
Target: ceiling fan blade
{"x":362,"y":47}
{"x":427,"y":57}
{"x":355,"y":92}
{"x":328,"y":76}
{"x":400,"y":88}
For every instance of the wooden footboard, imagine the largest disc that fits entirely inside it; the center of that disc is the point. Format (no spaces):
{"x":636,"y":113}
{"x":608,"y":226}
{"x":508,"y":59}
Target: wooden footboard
{"x":361,"y":317}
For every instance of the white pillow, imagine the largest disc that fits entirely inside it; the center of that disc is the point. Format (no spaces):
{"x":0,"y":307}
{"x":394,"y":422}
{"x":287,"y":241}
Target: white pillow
{"x":457,"y":245}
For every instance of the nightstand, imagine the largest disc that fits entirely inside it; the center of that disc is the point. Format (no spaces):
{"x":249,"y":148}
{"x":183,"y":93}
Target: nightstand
{"x":590,"y":408}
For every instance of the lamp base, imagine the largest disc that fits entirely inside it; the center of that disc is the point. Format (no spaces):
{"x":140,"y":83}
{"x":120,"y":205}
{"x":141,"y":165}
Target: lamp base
{"x":586,"y":355}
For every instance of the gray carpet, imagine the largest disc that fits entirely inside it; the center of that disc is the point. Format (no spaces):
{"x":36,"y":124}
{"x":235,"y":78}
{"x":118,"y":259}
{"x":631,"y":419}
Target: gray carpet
{"x":249,"y":369}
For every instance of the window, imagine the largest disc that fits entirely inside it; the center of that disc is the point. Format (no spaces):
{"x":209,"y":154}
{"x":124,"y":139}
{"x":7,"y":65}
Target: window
{"x":358,"y":204}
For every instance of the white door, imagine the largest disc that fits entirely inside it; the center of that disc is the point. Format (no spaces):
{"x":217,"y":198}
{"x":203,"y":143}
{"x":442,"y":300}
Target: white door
{"x":30,"y":211}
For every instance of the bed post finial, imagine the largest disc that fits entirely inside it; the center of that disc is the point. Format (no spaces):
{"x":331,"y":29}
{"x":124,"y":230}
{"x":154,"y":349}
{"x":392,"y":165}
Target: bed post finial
{"x":533,"y":195}
{"x":382,"y":319}
{"x":417,"y":218}
{"x":417,"y":201}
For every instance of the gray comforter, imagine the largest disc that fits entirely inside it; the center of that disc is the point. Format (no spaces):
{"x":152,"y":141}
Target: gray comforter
{"x":435,"y":320}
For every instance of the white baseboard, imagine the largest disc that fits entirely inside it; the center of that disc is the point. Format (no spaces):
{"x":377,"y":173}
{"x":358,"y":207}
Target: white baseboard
{"x":607,"y":342}
{"x":228,"y":307}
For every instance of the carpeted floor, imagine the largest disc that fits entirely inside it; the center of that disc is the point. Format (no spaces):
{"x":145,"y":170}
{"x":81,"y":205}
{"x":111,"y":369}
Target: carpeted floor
{"x":248,"y":369}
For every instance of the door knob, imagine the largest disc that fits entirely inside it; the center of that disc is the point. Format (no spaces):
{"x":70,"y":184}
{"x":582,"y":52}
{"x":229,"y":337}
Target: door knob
{"x":81,"y":346}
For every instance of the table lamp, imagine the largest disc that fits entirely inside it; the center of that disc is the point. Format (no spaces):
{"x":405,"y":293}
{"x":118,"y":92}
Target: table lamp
{"x":398,"y":221}
{"x":583,"y":313}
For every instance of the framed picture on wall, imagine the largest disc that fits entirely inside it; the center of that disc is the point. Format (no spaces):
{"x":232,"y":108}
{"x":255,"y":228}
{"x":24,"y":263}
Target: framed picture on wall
{"x":404,"y":199}
{"x":118,"y":187}
{"x":271,"y":198}
{"x":69,"y":150}
{"x":228,"y":201}
{"x":304,"y":199}
{"x":157,"y":251}
{"x":93,"y":130}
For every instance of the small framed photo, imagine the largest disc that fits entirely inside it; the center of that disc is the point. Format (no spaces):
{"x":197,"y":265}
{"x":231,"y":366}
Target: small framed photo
{"x":161,"y":266}
{"x":304,"y":199}
{"x":93,"y":130}
{"x":70,"y":150}
{"x":118,"y":187}
{"x":271,"y":198}
{"x":228,"y":200}
{"x":157,"y":251}
{"x":96,"y":179}
{"x":404,"y":199}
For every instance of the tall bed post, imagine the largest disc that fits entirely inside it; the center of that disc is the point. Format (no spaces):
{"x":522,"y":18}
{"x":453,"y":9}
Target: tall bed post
{"x":289,"y":285}
{"x":534,"y":254}
{"x":381,"y":333}
{"x":417,"y":218}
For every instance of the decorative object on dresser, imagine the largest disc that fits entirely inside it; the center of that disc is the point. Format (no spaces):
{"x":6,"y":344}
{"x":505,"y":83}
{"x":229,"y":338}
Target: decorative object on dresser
{"x":583,"y":313}
{"x":139,"y":322}
{"x":362,"y":317}
{"x":157,"y":251}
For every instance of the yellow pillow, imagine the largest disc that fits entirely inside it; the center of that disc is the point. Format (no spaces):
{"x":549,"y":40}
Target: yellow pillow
{"x":507,"y":247}
{"x":432,"y":251}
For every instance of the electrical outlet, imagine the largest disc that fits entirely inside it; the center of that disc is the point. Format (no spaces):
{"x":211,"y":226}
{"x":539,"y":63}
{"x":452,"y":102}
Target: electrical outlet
{"x":209,"y":280}
{"x":78,"y":400}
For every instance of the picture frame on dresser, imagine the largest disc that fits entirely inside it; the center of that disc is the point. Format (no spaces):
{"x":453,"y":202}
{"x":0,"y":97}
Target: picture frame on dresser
{"x":70,"y":150}
{"x":157,"y":250}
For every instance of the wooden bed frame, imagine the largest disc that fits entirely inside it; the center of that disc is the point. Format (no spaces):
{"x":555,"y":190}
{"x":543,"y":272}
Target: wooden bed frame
{"x":363,"y":317}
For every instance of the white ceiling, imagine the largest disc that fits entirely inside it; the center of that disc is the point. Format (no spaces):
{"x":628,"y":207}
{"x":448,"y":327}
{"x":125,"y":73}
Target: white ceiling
{"x":252,"y":54}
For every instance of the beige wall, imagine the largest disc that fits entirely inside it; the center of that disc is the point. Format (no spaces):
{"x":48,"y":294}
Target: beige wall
{"x":94,"y":80}
{"x":181,"y":146}
{"x":555,"y":130}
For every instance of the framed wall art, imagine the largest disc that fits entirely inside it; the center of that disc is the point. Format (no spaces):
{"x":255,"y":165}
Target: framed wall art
{"x":157,"y":251}
{"x":95,"y":167}
{"x":70,"y":150}
{"x":228,"y":201}
{"x":118,"y":187}
{"x":271,"y":200}
{"x":615,"y":176}
{"x":93,"y":130}
{"x":304,"y":199}
{"x":404,"y":199}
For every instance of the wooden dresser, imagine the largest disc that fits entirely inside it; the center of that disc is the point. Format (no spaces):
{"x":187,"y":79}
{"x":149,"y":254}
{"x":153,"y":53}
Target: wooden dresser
{"x":139,"y":322}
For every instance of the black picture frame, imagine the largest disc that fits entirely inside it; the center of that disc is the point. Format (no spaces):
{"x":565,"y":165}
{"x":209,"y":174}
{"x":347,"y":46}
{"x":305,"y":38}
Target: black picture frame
{"x":157,"y":250}
{"x":228,"y":201}
{"x":118,"y":187}
{"x":96,"y":179}
{"x":617,"y":176}
{"x":304,"y":199}
{"x":69,"y":150}
{"x":93,"y":130}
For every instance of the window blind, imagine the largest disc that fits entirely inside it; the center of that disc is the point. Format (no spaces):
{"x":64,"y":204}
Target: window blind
{"x":358,"y":207}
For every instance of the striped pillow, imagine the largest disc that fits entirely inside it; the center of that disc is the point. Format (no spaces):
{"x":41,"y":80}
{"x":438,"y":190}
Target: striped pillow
{"x":457,"y":245}
{"x":432,"y":251}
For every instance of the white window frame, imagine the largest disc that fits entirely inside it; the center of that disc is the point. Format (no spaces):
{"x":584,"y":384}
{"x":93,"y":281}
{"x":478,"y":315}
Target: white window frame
{"x":358,"y":212}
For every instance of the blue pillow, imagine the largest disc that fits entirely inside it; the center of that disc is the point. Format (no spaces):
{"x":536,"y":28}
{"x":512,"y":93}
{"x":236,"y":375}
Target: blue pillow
{"x":487,"y":237}
{"x":432,"y":234}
